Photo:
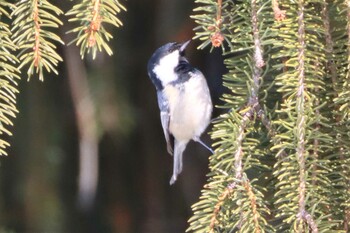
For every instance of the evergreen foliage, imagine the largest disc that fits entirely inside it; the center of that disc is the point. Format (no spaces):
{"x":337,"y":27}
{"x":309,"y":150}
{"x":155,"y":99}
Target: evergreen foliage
{"x":92,"y":15}
{"x":32,"y":20}
{"x":8,"y":77}
{"x":282,"y":157}
{"x":30,"y":29}
{"x":281,"y":162}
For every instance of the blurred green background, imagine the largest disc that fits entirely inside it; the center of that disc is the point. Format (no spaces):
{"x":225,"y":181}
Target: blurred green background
{"x":39,"y":178}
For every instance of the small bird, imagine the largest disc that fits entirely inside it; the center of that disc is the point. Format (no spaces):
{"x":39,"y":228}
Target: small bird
{"x":183,"y":99}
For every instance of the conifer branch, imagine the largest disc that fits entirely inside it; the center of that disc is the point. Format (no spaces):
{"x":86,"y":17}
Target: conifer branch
{"x":346,"y":92}
{"x":33,"y":19}
{"x":256,"y":216}
{"x":258,"y":57}
{"x":329,"y":45}
{"x":347,"y":218}
{"x":300,"y":49}
{"x":9,"y":74}
{"x":301,"y":117}
{"x":309,"y":220}
{"x":94,"y":25}
{"x":348,"y":30}
{"x":238,"y":155}
{"x":37,"y":56}
{"x":217,"y":38}
{"x":93,"y":16}
{"x":221,"y":199}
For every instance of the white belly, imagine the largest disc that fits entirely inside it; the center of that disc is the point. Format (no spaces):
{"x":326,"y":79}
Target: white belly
{"x":190,"y":108}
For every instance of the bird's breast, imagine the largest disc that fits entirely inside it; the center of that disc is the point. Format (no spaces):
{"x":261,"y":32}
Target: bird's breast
{"x":190,"y":107}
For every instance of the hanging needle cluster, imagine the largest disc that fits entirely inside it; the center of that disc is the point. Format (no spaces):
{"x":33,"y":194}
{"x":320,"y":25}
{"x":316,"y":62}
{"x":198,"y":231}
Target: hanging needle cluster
{"x":92,"y":15}
{"x":9,"y":75}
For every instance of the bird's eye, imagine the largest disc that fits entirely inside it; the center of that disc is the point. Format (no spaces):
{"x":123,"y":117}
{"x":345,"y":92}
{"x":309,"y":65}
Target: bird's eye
{"x":174,"y":47}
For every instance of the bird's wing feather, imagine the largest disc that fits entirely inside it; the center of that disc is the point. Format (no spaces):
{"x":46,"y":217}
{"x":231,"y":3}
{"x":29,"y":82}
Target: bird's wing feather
{"x":165,"y":118}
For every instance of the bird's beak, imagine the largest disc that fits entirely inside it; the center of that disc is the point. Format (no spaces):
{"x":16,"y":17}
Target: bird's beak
{"x":184,"y":45}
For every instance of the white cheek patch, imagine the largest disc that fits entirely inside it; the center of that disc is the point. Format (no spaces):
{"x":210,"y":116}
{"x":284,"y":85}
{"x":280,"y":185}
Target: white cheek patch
{"x":165,"y":69}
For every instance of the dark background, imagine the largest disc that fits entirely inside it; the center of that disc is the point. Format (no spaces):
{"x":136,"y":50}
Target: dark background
{"x":39,"y":178}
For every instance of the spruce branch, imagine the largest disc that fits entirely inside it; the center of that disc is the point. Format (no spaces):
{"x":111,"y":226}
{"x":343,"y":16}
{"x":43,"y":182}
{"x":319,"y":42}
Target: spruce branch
{"x":9,"y":74}
{"x":340,"y":157}
{"x":92,"y":16}
{"x":301,"y":117}
{"x":217,"y":38}
{"x":344,"y":97}
{"x":302,"y":126}
{"x":253,"y":203}
{"x":288,"y":60}
{"x":238,"y":152}
{"x":309,"y":220}
{"x":330,"y":65}
{"x":214,"y":219}
{"x":33,"y":19}
{"x":213,"y":27}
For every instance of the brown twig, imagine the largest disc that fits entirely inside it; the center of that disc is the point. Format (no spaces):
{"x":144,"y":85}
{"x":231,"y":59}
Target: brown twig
{"x":348,"y":28}
{"x":217,"y":37}
{"x":95,"y":23}
{"x":301,"y":118}
{"x":36,"y":49}
{"x":248,"y":188}
{"x":218,"y":16}
{"x":301,"y":123}
{"x":238,"y":167}
{"x":309,"y":221}
{"x":329,"y":45}
{"x":222,"y":198}
{"x":279,"y":14}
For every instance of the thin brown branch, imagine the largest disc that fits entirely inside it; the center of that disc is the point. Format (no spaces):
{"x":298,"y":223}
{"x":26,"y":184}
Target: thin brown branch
{"x":219,"y":12}
{"x":301,"y":118}
{"x":217,"y":208}
{"x":248,"y":188}
{"x":348,"y":31}
{"x":347,"y":218}
{"x":309,"y":221}
{"x":238,"y":166}
{"x":239,"y":140}
{"x":330,"y":66}
{"x":217,"y":37}
{"x":279,"y":14}
{"x":258,"y":64}
{"x":301,"y":124}
{"x":258,"y":53}
{"x":36,"y":48}
{"x":95,"y":23}
{"x":317,"y":127}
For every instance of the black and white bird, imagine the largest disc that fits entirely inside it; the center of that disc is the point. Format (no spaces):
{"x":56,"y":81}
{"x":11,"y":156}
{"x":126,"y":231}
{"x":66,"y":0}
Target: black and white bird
{"x":183,"y":98}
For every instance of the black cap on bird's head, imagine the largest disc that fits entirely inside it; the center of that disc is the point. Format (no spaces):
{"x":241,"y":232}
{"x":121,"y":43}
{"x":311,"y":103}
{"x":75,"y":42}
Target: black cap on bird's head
{"x":168,"y":49}
{"x":164,"y":60}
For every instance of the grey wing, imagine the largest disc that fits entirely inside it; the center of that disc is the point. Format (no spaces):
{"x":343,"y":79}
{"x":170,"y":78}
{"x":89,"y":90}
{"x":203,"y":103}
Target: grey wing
{"x":165,"y":118}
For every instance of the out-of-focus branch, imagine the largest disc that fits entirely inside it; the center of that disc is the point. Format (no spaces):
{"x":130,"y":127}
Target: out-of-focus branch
{"x":86,"y":122}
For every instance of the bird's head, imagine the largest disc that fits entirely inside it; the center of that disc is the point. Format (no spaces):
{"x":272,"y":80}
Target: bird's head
{"x":161,"y":66}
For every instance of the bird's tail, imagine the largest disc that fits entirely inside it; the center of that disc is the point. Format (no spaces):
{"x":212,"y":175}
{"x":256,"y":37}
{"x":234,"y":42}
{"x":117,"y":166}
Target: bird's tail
{"x":179,"y":148}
